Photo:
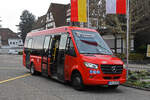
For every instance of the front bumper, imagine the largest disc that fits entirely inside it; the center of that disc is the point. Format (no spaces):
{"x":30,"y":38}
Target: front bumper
{"x":98,"y":79}
{"x":102,"y":82}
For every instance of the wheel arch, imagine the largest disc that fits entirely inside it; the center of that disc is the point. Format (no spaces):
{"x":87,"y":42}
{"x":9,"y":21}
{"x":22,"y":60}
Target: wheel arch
{"x":31,"y":63}
{"x":74,"y":71}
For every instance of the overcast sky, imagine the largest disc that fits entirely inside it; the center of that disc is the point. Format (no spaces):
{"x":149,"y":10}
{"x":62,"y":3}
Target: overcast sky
{"x":10,"y":10}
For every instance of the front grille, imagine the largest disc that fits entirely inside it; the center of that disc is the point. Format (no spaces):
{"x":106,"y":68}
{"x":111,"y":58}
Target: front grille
{"x":112,"y":69}
{"x":107,"y":78}
{"x":116,"y":77}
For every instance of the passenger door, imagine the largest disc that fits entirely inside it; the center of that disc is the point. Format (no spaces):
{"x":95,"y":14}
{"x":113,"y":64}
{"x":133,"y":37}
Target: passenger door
{"x":28,"y":52}
{"x":61,"y":56}
{"x":45,"y":69}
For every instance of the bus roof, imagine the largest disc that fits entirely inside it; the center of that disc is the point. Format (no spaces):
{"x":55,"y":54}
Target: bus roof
{"x":58,"y":30}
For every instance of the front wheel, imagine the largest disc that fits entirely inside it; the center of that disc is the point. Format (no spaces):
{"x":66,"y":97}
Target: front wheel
{"x":77,"y":82}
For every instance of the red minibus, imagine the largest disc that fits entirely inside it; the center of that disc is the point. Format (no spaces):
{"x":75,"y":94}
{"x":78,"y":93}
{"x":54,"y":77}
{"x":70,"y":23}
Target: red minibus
{"x":73,"y":54}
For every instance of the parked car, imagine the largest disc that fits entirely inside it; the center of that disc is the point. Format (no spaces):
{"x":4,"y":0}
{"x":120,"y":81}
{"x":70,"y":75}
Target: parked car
{"x":11,"y":51}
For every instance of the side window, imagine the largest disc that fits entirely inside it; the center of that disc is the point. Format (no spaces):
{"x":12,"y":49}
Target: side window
{"x":71,"y":44}
{"x":30,"y":43}
{"x":38,"y":43}
{"x":63,"y":41}
{"x":26,"y":42}
{"x":46,"y":43}
{"x":70,"y":49}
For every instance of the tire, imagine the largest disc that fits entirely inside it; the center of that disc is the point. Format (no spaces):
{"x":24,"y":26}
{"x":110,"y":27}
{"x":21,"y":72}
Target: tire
{"x":113,"y":86}
{"x":77,"y":82}
{"x":32,"y":70}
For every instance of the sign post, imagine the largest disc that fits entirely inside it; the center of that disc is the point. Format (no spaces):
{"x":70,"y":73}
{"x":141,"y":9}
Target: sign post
{"x":88,"y":14}
{"x":127,"y":36}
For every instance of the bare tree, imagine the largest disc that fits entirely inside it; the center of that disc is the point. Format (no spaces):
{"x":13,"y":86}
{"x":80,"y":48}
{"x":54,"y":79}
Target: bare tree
{"x":139,"y":17}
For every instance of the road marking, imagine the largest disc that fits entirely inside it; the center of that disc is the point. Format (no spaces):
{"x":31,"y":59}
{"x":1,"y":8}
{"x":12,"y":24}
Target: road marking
{"x":11,"y":79}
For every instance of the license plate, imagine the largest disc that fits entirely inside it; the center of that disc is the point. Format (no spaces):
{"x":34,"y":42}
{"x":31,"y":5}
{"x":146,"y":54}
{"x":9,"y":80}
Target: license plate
{"x":113,"y":83}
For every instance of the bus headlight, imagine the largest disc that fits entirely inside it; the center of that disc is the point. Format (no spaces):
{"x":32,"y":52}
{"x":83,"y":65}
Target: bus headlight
{"x":90,"y":65}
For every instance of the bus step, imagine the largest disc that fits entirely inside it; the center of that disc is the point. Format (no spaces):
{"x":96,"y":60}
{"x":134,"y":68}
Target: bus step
{"x":56,"y":78}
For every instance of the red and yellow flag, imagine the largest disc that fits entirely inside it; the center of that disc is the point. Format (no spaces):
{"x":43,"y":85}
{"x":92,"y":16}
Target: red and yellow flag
{"x":78,"y":11}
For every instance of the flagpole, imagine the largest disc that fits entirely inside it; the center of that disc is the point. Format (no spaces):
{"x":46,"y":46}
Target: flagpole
{"x":127,"y":36}
{"x":88,"y":8}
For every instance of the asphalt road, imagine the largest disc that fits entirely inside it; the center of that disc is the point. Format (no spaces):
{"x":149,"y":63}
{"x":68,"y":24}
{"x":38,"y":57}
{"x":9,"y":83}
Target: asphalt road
{"x":42,"y":88}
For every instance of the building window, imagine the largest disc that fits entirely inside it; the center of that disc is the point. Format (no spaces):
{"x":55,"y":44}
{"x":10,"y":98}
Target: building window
{"x":68,"y":14}
{"x":41,"y":21}
{"x":69,"y":10}
{"x":94,"y":23}
{"x":132,"y":44}
{"x":50,"y":17}
{"x":68,"y":19}
{"x":47,"y":17}
{"x":52,"y":24}
{"x":10,"y":42}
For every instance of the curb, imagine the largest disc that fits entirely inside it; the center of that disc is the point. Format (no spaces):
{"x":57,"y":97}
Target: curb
{"x":136,"y":87}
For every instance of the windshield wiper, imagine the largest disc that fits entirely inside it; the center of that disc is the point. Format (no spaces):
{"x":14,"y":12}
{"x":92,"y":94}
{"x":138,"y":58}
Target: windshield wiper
{"x":95,"y":53}
{"x":86,"y":53}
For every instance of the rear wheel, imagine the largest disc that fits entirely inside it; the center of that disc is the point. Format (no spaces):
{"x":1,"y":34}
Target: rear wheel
{"x":113,"y":86}
{"x":32,"y":70}
{"x":77,"y":82}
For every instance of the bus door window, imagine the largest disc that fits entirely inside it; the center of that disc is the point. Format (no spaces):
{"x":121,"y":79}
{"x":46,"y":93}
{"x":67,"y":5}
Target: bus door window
{"x":54,"y":54}
{"x":47,"y":46}
{"x":54,"y":48}
{"x":61,"y":56}
{"x":46,"y":53}
{"x":62,"y":47}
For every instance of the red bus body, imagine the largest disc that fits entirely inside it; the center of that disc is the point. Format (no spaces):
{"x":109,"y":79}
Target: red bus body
{"x":73,"y":64}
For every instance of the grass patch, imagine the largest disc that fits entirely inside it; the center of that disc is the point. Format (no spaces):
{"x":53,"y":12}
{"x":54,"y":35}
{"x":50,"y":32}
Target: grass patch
{"x":140,"y":79}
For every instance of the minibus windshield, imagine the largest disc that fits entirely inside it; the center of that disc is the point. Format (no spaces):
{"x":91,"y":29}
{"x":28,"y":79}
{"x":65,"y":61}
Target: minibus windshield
{"x":90,"y":43}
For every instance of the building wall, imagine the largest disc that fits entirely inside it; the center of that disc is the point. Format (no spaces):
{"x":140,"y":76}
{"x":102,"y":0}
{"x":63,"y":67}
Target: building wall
{"x":15,"y":42}
{"x":50,"y":20}
{"x":118,"y":43}
{"x":13,"y":45}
